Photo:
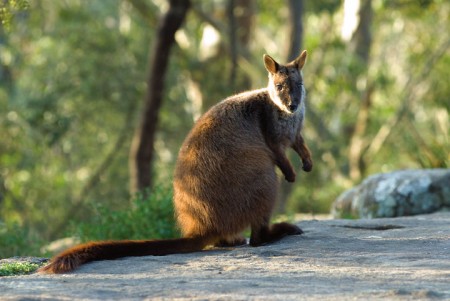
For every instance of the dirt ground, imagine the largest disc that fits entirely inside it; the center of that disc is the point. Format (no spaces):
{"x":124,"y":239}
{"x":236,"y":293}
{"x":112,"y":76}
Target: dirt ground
{"x":404,"y":258}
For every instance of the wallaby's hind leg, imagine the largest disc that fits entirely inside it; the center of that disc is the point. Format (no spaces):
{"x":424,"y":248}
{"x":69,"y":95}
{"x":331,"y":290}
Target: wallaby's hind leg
{"x":263,"y":234}
{"x":232,"y":241}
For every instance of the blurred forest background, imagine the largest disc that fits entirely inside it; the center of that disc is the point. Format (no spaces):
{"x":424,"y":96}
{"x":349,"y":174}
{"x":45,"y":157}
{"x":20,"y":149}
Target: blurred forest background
{"x":86,"y":95}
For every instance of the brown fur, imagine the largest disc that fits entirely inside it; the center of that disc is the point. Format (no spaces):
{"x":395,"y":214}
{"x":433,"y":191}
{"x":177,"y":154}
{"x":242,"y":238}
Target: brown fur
{"x":225,"y":178}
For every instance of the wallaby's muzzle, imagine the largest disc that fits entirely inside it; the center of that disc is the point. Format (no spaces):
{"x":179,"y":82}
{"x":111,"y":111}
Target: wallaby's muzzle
{"x":293,"y":107}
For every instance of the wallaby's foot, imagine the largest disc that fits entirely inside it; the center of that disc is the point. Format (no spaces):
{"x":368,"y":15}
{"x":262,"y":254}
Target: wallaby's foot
{"x":280,"y":230}
{"x":231,"y":242}
{"x":265,"y":235}
{"x":307,"y":165}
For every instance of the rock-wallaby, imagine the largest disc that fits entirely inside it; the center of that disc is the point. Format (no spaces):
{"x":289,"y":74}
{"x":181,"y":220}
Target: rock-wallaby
{"x":225,"y":179}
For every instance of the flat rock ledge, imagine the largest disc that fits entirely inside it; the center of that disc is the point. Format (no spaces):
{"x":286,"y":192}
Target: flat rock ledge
{"x":405,"y":258}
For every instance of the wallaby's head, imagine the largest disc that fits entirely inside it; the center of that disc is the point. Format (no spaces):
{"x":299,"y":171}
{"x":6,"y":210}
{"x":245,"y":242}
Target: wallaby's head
{"x":286,"y":82}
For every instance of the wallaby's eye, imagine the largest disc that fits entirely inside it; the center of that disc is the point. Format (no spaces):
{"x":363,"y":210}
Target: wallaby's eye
{"x":279,"y":87}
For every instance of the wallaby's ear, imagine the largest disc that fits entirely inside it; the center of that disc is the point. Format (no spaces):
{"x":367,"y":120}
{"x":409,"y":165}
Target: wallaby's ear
{"x":271,"y":65}
{"x":300,"y":61}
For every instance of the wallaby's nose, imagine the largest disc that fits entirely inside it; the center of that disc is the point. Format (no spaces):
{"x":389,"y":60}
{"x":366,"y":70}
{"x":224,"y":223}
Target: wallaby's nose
{"x":293,"y":107}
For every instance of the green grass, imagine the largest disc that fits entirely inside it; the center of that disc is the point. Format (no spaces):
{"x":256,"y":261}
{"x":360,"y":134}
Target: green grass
{"x":18,"y":268}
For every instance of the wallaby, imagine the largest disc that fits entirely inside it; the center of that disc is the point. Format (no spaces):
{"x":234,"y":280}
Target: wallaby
{"x":225,"y":179}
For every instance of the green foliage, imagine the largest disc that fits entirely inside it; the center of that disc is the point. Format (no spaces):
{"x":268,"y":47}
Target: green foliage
{"x":16,"y":240}
{"x":9,"y":8}
{"x":71,"y":99}
{"x":348,"y":215}
{"x":148,"y":217}
{"x":18,"y":268}
{"x":329,"y":6}
{"x":73,"y":77}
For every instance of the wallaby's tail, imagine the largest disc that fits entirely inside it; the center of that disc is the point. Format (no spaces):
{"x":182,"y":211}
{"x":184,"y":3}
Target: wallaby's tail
{"x":78,"y":255}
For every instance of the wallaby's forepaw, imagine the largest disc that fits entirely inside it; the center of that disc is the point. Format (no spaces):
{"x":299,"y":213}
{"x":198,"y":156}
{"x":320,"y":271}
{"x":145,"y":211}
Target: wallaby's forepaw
{"x":290,"y":178}
{"x":307,"y":165}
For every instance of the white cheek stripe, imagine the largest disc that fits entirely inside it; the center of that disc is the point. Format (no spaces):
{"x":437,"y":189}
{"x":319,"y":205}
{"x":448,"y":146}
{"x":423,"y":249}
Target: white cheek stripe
{"x":275,"y":99}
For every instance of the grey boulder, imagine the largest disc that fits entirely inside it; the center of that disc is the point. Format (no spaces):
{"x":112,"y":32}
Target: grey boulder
{"x":399,"y":193}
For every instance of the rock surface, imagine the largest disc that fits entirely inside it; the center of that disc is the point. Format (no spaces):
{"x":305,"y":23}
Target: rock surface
{"x":399,"y":193}
{"x":405,"y":258}
{"x":19,"y":259}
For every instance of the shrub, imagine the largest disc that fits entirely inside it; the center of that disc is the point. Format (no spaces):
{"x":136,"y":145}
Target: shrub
{"x":17,"y":240}
{"x":18,"y":268}
{"x":150,"y":216}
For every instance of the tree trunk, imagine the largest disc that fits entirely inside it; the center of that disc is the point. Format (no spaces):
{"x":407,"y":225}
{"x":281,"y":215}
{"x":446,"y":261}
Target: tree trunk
{"x":295,"y":47}
{"x":233,"y":43}
{"x":240,"y":15}
{"x":361,"y":44}
{"x":362,"y":38}
{"x":142,"y":150}
{"x":295,"y":28}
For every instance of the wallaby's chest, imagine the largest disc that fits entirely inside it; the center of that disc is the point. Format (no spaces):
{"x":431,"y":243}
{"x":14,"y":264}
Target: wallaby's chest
{"x":286,"y":127}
